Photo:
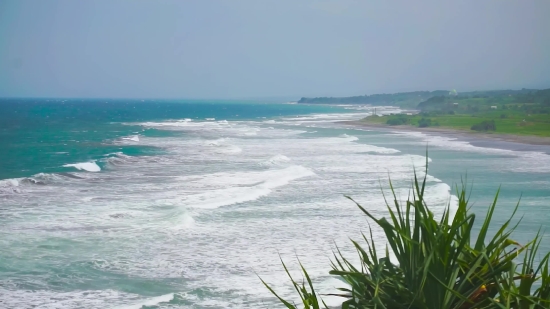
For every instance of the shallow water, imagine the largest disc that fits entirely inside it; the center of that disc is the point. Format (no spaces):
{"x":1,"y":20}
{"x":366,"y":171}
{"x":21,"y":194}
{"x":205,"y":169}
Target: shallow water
{"x":184,"y":204}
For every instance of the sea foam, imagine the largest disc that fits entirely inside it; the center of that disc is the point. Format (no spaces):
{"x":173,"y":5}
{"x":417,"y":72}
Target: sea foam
{"x":247,"y":186}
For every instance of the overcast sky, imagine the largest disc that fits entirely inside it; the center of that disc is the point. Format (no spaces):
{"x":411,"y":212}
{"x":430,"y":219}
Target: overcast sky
{"x":257,"y":48}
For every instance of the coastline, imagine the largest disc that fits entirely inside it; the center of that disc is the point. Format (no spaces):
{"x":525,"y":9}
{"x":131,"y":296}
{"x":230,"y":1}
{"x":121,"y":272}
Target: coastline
{"x":479,"y":139}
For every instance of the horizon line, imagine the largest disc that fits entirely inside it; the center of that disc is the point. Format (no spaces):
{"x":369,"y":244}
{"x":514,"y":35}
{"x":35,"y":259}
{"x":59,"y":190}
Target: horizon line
{"x":243,"y":98}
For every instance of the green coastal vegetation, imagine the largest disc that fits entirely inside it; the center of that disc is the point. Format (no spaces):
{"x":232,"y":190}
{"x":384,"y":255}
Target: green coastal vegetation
{"x":520,"y":112}
{"x":430,"y":263}
{"x":404,"y":99}
{"x":523,"y":112}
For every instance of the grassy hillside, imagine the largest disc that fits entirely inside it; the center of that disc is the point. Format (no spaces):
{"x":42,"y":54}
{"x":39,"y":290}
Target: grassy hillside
{"x":403,"y":99}
{"x":523,"y":113}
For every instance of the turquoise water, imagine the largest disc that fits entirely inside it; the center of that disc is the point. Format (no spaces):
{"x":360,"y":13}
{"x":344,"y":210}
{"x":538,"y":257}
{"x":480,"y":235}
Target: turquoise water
{"x":169,"y":204}
{"x":40,"y":135}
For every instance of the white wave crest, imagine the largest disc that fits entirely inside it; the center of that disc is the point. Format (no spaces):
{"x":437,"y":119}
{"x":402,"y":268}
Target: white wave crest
{"x":349,"y":138}
{"x":153,"y":301}
{"x":133,"y":138}
{"x":89,"y":299}
{"x":183,"y":222}
{"x":275,"y":160}
{"x":265,"y":182}
{"x":45,"y":178}
{"x":86,"y":166}
{"x":216,"y":142}
{"x":8,"y":186}
{"x":9,"y":183}
{"x":117,"y":158}
{"x":222,"y":145}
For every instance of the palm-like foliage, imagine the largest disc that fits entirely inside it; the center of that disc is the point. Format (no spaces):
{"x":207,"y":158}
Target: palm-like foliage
{"x":440,"y":264}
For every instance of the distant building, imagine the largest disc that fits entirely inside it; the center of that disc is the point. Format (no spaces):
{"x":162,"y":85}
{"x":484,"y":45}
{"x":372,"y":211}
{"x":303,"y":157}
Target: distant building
{"x":493,"y":107}
{"x":455,"y":104}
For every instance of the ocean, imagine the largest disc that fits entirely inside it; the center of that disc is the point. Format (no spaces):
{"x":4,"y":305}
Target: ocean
{"x":186,"y":204}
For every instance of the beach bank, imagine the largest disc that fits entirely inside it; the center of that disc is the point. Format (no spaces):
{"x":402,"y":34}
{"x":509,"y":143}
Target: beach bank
{"x":479,"y":139}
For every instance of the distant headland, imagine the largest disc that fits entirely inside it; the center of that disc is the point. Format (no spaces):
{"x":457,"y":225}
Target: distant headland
{"x":398,"y":99}
{"x":524,"y":112}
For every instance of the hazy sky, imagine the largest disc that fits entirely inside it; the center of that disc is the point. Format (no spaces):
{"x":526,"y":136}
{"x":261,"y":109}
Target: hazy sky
{"x":255,"y":48}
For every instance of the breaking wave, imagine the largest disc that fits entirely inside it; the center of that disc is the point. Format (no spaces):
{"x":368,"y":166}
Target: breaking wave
{"x":85,"y":166}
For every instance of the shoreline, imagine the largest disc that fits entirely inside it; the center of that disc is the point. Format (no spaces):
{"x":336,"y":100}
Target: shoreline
{"x":479,"y":139}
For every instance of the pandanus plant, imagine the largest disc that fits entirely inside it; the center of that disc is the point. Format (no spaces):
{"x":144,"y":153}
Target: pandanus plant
{"x":440,"y":264}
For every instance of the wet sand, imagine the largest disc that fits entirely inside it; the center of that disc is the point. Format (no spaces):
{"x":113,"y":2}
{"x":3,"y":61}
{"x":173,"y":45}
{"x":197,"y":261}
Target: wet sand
{"x":479,"y":139}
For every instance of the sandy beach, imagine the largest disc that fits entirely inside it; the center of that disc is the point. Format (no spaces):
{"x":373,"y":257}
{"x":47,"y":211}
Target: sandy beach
{"x":480,"y":139}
